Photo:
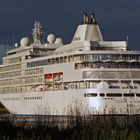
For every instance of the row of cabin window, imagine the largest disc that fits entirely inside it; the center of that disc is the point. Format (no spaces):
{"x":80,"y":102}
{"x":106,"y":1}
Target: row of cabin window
{"x":11,"y":99}
{"x":33,"y":98}
{"x":18,"y":81}
{"x":107,"y":65}
{"x":111,"y":74}
{"x":112,"y":94}
{"x":10,"y":74}
{"x":18,"y":73}
{"x":25,"y":98}
{"x":97,"y":57}
{"x":18,"y":89}
{"x":71,"y":85}
{"x":13,"y":60}
{"x":34,"y":71}
{"x":87,"y":57}
{"x":10,"y":68}
{"x":111,"y":85}
{"x":85,"y":85}
{"x":53,"y":61}
{"x":49,"y":87}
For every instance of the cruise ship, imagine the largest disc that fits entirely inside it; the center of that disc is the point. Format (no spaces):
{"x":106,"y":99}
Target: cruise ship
{"x":89,"y":76}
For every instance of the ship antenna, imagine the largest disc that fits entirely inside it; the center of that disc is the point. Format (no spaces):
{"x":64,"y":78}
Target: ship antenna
{"x":85,"y":19}
{"x":37,"y":33}
{"x":92,"y":19}
{"x":127,"y":39}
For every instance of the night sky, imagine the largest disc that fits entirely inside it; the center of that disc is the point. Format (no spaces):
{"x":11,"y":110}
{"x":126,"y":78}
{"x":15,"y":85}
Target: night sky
{"x":117,"y":19}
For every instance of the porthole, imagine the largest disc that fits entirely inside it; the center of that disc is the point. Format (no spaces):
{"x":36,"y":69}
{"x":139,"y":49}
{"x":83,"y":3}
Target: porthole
{"x":102,"y":94}
{"x":138,"y":94}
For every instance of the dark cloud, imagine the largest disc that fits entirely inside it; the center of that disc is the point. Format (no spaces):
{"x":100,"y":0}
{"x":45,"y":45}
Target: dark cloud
{"x":117,"y":18}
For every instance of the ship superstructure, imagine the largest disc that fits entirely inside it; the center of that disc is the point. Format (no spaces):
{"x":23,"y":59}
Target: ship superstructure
{"x":87,"y":76}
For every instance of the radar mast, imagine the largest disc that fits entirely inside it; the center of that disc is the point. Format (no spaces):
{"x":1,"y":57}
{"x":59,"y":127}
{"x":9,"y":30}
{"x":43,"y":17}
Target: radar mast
{"x":37,"y":33}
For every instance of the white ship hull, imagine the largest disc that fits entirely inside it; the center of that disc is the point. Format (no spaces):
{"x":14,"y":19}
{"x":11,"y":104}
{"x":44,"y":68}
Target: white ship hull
{"x":72,"y":102}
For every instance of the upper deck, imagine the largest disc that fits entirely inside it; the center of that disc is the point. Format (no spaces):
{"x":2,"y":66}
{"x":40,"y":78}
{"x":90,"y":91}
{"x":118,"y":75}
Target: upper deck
{"x":87,"y":39}
{"x":88,"y":58}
